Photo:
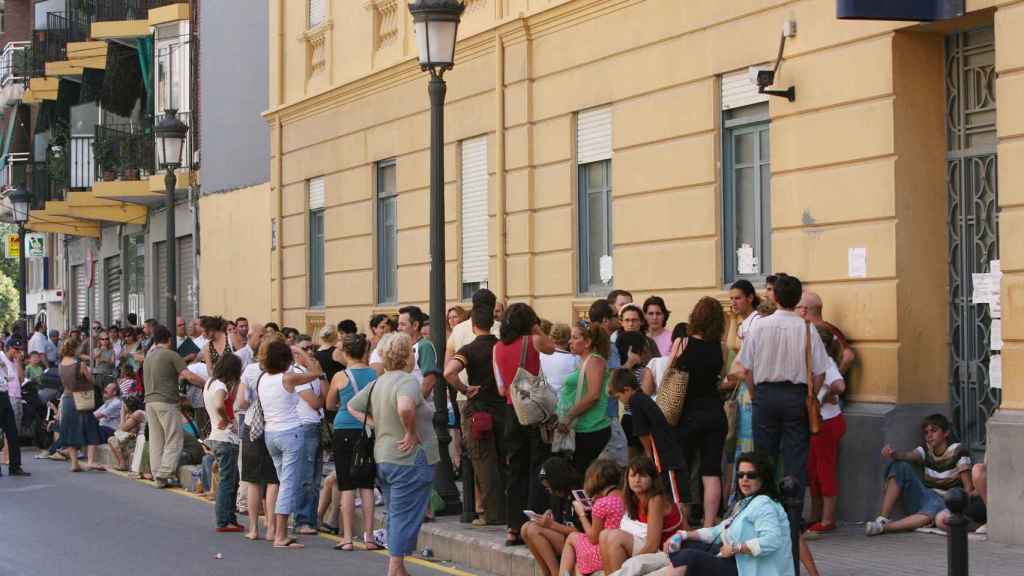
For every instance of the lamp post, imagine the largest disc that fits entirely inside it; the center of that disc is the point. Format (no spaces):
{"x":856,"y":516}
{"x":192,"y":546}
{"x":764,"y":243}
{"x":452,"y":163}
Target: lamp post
{"x":21,"y":203}
{"x":436,"y":23}
{"x":170,"y":140}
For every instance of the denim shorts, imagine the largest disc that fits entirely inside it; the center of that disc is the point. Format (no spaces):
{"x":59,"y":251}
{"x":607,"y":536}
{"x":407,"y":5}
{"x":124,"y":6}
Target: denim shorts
{"x":285,"y":449}
{"x":914,"y":495}
{"x":406,"y":490}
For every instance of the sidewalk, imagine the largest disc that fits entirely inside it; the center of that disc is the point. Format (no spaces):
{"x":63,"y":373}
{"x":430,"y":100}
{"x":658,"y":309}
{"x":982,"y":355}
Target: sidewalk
{"x":847,"y":552}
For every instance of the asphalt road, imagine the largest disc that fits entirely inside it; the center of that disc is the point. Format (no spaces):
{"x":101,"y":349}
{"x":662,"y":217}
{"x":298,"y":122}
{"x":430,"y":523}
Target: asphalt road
{"x":94,"y":523}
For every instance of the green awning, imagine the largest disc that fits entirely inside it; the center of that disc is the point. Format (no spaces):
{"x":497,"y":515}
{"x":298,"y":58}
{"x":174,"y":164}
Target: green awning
{"x":10,"y":134}
{"x":145,"y":51}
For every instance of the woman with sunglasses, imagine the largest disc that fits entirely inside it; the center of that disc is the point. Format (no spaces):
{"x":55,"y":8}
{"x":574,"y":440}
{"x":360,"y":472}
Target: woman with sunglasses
{"x":753,"y":540}
{"x":103,"y":360}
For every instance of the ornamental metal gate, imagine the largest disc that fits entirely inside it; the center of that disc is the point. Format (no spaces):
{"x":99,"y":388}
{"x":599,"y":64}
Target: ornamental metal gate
{"x":973,"y":218}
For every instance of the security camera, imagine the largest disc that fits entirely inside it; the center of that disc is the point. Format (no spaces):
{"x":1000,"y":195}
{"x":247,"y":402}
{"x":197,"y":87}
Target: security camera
{"x":761,"y":76}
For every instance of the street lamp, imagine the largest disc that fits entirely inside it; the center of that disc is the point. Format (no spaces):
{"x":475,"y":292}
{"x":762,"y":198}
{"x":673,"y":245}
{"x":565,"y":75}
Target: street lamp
{"x":436,"y":23}
{"x":170,"y":140}
{"x":21,"y":203}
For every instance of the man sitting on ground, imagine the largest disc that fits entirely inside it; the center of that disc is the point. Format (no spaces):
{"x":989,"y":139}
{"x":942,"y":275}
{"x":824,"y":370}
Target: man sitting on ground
{"x":946,"y":466}
{"x":109,"y":414}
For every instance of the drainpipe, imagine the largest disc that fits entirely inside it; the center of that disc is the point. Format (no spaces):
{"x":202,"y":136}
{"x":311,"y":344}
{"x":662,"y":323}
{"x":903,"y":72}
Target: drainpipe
{"x":193,"y":205}
{"x":499,"y":164}
{"x":279,"y":211}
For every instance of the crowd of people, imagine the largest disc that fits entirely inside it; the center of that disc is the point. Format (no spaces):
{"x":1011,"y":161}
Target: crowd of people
{"x":657,"y":447}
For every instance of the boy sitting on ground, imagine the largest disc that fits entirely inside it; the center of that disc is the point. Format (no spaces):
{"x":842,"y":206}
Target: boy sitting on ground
{"x":946,"y":466}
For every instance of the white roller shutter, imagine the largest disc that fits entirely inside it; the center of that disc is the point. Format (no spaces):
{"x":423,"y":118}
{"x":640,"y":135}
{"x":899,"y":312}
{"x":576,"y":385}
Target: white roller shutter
{"x":315,"y":186}
{"x":317,"y":12}
{"x":81,"y":298}
{"x":738,"y":91}
{"x":594,"y":135}
{"x":112,"y":281}
{"x":474,"y":211}
{"x":160,"y":250}
{"x":186,"y":289}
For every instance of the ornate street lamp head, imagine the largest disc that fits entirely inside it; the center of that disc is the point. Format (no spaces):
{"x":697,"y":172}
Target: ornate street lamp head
{"x":21,"y":203}
{"x":436,"y":25}
{"x":170,"y":138}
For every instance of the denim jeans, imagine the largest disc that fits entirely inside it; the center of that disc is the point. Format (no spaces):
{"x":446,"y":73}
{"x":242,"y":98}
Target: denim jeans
{"x":226,"y":454}
{"x":406,"y":491}
{"x":312,"y":472}
{"x":914,"y":495}
{"x":285,"y":448}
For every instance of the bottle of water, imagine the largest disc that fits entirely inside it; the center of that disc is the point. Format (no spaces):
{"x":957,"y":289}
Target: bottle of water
{"x":197,"y":480}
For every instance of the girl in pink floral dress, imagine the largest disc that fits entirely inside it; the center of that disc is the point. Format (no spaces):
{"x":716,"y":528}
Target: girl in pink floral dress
{"x":602,"y":484}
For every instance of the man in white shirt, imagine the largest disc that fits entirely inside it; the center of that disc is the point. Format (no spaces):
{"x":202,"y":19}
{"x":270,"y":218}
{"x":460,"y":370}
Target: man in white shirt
{"x":37,"y":343}
{"x":8,"y":371}
{"x":774,"y":358}
{"x":248,"y":352}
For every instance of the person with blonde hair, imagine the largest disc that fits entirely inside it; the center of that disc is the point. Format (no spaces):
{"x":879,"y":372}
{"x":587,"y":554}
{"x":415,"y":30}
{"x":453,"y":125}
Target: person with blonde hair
{"x":405,"y":446}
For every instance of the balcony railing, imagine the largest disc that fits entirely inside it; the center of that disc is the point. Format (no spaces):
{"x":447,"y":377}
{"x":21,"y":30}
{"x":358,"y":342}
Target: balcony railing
{"x":114,"y":10}
{"x":15,"y":63}
{"x":51,"y":44}
{"x":14,"y":169}
{"x":125,"y":151}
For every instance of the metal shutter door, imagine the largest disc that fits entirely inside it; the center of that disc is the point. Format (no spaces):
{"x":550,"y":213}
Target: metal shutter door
{"x":186,"y":290}
{"x":80,"y":302}
{"x":739,"y":91}
{"x":594,"y":135}
{"x":160,"y":251}
{"x":474,"y":211}
{"x":112,"y":282}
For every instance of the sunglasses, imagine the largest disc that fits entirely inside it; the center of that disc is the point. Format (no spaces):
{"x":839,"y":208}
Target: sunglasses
{"x":306,"y":348}
{"x":748,"y":475}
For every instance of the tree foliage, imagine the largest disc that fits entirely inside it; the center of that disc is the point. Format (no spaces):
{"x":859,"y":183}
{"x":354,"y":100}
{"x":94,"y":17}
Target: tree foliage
{"x":8,"y":301}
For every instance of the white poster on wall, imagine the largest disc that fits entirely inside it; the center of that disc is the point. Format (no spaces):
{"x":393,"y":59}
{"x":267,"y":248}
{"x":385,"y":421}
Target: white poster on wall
{"x":857,"y":262}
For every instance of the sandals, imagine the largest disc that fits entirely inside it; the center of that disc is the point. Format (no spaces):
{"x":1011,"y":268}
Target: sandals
{"x":369,"y":543}
{"x":307,"y":531}
{"x":290,"y":543}
{"x":514,"y":539}
{"x":344,"y":546}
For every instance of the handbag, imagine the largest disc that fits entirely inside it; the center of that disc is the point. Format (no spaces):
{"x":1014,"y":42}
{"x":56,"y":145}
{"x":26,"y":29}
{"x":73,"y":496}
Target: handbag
{"x":732,"y":413}
{"x":813,"y":406}
{"x":257,"y":421}
{"x":533,"y":399}
{"x":85,"y":400}
{"x":635,"y":528}
{"x":672,"y":392}
{"x":481,"y":424}
{"x":363,"y":469}
{"x":566,"y":441}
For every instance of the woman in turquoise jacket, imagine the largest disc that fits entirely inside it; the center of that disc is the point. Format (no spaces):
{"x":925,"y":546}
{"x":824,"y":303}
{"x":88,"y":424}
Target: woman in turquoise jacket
{"x":752,"y":541}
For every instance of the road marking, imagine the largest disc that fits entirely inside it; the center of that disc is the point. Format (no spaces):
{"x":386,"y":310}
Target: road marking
{"x":30,"y":488}
{"x":411,"y":559}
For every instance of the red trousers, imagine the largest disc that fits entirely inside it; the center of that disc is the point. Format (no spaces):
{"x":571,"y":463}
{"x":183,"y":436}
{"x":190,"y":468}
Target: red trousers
{"x":822,"y":477}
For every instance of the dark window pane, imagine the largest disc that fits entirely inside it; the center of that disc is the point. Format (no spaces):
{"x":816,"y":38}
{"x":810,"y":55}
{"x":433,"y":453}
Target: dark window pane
{"x":765,"y":146}
{"x":744,"y":148}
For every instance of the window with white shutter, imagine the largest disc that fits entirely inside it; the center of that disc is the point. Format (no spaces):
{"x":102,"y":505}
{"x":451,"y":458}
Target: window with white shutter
{"x":317,"y":11}
{"x":738,"y":91}
{"x":594,"y":199}
{"x":474,"y":219}
{"x":315,"y":188}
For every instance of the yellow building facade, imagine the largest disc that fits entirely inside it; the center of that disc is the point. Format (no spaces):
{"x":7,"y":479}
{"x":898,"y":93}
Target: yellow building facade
{"x":859,"y":172}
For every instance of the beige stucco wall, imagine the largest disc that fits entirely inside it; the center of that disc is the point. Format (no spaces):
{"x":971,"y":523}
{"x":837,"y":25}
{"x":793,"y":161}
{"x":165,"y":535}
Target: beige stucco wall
{"x":234,"y":267}
{"x":857,"y":160}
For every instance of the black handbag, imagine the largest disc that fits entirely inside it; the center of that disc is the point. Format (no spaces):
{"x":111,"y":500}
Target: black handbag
{"x":363,"y":469}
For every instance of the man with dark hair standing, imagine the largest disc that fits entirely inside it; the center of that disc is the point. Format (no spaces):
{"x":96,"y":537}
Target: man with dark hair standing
{"x":160,"y":373}
{"x":348,"y":326}
{"x":618,"y":298}
{"x":773,"y":357}
{"x":410,"y":321}
{"x":242,"y":323}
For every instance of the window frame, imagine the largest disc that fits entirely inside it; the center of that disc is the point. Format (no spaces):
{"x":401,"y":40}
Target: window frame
{"x":752,"y":124}
{"x":316,"y":292}
{"x":383,"y":199}
{"x":586,"y":285}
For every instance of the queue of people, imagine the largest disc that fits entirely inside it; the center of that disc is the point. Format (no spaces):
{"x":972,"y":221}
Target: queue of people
{"x":656,"y":449}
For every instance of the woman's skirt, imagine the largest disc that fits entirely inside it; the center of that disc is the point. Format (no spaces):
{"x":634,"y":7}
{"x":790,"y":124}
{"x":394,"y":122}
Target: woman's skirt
{"x":257,"y":465}
{"x":78,"y":429}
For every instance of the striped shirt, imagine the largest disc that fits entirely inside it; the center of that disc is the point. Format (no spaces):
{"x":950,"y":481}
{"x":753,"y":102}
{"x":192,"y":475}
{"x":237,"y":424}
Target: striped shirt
{"x":942,"y":471}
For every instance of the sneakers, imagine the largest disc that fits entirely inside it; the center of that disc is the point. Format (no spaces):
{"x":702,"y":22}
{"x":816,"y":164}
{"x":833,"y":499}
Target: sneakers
{"x":161,"y":483}
{"x":875,"y":527}
{"x":983,"y":529}
{"x":18,"y":472}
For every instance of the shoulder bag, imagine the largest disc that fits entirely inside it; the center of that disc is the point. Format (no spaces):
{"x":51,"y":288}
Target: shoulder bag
{"x":363,"y":470}
{"x":258,"y":421}
{"x":813,"y":406}
{"x":85,"y":400}
{"x":533,"y":399}
{"x":566,"y":441}
{"x":672,"y":392}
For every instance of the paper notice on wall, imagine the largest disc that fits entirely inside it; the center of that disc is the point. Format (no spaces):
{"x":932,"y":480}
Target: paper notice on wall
{"x":986,"y":288}
{"x":605,"y":265}
{"x":857,"y":262}
{"x":746,"y":262}
{"x":995,"y":334}
{"x":995,"y":372}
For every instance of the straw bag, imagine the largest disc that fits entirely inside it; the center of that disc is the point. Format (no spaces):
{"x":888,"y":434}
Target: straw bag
{"x":84,"y":396}
{"x":813,"y":406}
{"x":672,"y":392}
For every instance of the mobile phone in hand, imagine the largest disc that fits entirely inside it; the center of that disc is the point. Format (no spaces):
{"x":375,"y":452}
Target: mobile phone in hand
{"x":533,"y":515}
{"x":581,"y":497}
